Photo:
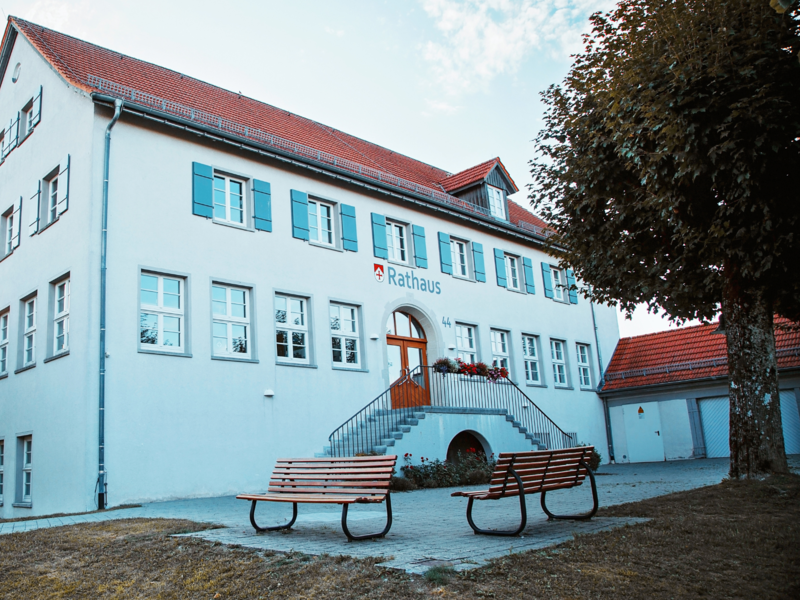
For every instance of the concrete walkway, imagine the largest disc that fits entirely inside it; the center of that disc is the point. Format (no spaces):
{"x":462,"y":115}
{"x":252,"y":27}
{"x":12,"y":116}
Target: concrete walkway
{"x":429,"y":527}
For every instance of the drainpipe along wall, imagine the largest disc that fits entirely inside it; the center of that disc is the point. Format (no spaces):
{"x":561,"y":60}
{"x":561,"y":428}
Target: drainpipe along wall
{"x":102,"y":485}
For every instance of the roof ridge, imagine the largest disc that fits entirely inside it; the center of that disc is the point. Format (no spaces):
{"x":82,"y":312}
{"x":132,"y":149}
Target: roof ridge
{"x":332,"y":131}
{"x":33,"y":27}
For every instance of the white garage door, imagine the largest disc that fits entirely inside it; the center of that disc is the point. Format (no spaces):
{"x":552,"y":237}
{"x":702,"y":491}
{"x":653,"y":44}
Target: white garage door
{"x":715,"y":415}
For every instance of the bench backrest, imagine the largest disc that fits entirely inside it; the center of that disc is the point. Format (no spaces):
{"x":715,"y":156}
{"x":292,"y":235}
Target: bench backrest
{"x":543,"y":470}
{"x":363,"y":476}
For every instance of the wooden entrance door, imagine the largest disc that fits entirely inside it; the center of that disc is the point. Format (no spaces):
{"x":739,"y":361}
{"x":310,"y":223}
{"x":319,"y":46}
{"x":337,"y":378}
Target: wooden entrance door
{"x":407,"y":349}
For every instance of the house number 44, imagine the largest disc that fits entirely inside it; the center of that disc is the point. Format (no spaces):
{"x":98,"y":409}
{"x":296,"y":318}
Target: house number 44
{"x":446,"y":321}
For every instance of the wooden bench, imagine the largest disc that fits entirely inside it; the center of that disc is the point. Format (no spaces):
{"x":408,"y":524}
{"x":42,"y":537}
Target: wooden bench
{"x":521,"y":473}
{"x":345,"y":481}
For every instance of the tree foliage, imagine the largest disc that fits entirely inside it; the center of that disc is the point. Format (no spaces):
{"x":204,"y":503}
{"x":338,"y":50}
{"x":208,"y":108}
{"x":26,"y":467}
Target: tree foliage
{"x":670,"y":162}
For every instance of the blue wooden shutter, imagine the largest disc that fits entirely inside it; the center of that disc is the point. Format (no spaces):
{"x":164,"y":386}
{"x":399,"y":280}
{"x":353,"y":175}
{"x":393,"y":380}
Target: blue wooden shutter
{"x":477,"y":260}
{"x":262,"y":205}
{"x":62,"y":195}
{"x":445,"y":257}
{"x":420,"y":250}
{"x":33,"y":227}
{"x":349,"y":232}
{"x":299,"y":215}
{"x":379,"y":247}
{"x":36,"y":111}
{"x":500,"y":267}
{"x":573,"y":294}
{"x":527,"y":266}
{"x":547,"y":280}
{"x":202,"y":190}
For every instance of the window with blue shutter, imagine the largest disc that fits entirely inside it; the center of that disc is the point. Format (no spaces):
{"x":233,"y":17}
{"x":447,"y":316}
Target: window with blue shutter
{"x":33,"y":227}
{"x":36,"y":110}
{"x":349,"y":233}
{"x":262,"y":205}
{"x":63,"y":185}
{"x":477,"y":260}
{"x":299,"y":215}
{"x":379,"y":247}
{"x":202,"y":190}
{"x":527,"y":267}
{"x":500,"y":267}
{"x":420,"y":250}
{"x":547,"y":280}
{"x":573,"y":294}
{"x":445,"y":257}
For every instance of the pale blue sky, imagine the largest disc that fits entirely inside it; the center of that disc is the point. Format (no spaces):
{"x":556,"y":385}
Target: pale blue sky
{"x":452,"y":83}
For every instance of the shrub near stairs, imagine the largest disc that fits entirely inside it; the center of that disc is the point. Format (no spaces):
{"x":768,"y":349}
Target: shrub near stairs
{"x":471,"y":468}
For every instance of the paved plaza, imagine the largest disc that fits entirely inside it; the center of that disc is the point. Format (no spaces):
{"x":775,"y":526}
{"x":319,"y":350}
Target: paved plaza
{"x":429,"y":527}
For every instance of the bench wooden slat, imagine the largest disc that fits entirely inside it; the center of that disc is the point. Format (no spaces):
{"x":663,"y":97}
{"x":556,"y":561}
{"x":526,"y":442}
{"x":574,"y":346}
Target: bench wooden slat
{"x":539,"y":474}
{"x":336,"y":477}
{"x":331,"y":483}
{"x":344,"y":491}
{"x":335,"y":471}
{"x":311,"y":499}
{"x":389,"y":458}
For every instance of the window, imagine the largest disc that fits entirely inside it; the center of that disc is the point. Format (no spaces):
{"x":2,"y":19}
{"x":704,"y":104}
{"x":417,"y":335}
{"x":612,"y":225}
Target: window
{"x":291,"y":329}
{"x":3,"y":343}
{"x":26,"y":122}
{"x":512,"y":273}
{"x":458,"y":252}
{"x":51,"y":194}
{"x":230,"y":321}
{"x":29,"y":332}
{"x":2,"y":469}
{"x":530,"y":357}
{"x":61,"y":317}
{"x":584,"y":371}
{"x":8,"y":231}
{"x":558,"y":283}
{"x":162,"y":313}
{"x":344,"y":335}
{"x":396,"y":242}
{"x":228,"y":200}
{"x":465,"y":343}
{"x":320,"y":222}
{"x":27,"y":447}
{"x":499,"y":348}
{"x":497,"y":206}
{"x":559,"y":363}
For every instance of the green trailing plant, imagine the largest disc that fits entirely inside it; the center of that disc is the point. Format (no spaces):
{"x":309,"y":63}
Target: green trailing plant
{"x":595,"y":459}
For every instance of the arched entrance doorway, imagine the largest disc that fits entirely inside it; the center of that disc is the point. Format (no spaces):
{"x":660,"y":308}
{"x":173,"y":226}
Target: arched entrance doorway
{"x":406,"y":347}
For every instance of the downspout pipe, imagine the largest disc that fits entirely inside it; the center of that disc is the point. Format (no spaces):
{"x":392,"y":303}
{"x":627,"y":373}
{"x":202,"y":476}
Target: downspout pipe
{"x":102,"y":485}
{"x":606,"y":415}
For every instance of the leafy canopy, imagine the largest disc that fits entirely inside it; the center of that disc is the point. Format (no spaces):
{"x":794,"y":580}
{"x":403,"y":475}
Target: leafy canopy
{"x":670,"y":156}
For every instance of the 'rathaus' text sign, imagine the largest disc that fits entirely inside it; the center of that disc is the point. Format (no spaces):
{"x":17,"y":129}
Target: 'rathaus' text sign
{"x":405,"y":279}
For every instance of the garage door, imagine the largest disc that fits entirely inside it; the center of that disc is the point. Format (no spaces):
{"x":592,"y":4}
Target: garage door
{"x":714,"y":416}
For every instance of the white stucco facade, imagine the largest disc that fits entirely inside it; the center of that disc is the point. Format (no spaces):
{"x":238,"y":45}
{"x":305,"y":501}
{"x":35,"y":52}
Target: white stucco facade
{"x":188,"y":423}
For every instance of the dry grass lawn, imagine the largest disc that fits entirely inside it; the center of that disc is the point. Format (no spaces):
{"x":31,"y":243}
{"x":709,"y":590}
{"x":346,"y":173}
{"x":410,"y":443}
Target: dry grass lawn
{"x":734,"y":540}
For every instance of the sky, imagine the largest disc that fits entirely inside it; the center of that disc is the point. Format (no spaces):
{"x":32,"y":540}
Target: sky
{"x":449,"y":82}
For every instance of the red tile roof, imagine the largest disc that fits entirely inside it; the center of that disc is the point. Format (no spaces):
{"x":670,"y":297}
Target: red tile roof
{"x":77,"y":60}
{"x":686,"y":354}
{"x":517,"y":213}
{"x":474,"y":175}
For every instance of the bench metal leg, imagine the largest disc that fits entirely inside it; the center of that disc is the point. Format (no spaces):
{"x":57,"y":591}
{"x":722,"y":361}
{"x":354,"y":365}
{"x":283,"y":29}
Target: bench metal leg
{"x":368,"y":536}
{"x":277,"y":527}
{"x":583,"y":516}
{"x":523,"y":512}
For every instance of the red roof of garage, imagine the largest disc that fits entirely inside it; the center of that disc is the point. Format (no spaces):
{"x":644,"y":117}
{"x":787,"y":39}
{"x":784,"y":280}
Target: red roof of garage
{"x":686,"y":354}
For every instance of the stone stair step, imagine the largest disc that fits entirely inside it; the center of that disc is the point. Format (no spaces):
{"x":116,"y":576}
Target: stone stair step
{"x":379,"y":449}
{"x":388,"y":441}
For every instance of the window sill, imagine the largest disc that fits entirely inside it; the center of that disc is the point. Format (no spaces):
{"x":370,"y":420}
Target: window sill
{"x":5,"y":256}
{"x":242,"y":227}
{"x":22,"y":505}
{"x":50,"y":224}
{"x":293,"y":364}
{"x":165,"y":353}
{"x":56,"y":356}
{"x":4,"y":375}
{"x":563,"y":387}
{"x":587,"y":389}
{"x":464,"y":278}
{"x":234,"y":359}
{"x":537,"y":385}
{"x":26,"y":368}
{"x":326,"y":246}
{"x":353,"y":370}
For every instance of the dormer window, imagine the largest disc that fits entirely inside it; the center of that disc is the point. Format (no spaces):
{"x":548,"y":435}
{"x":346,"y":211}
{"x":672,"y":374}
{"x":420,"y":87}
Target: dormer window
{"x":497,"y":205}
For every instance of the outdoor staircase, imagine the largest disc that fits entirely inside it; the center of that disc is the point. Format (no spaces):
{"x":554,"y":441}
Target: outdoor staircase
{"x":379,"y":426}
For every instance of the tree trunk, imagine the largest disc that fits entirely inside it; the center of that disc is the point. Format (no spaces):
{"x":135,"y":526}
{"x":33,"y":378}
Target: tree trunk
{"x":756,"y":430}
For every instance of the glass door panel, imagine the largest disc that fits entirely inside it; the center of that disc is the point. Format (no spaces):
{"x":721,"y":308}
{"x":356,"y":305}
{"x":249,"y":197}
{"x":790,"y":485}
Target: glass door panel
{"x":395,"y":362}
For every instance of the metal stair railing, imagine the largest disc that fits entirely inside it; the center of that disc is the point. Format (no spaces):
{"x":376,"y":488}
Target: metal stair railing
{"x":398,"y":408}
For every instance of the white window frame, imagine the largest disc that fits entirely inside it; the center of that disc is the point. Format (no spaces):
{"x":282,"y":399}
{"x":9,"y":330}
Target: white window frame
{"x":557,"y":277}
{"x":8,"y":231}
{"x":4,"y":321}
{"x":558,"y":359}
{"x":162,"y":312}
{"x":61,"y":299}
{"x":29,"y":309}
{"x":513,"y":273}
{"x":230,"y":321}
{"x":530,"y":356}
{"x":317,"y":219}
{"x":344,"y":330}
{"x":583,"y":353}
{"x":51,"y":198}
{"x":460,"y":269}
{"x":497,"y":206}
{"x":2,"y":469}
{"x":501,"y":356}
{"x":397,"y":242}
{"x":26,"y":468}
{"x":466,"y":343}
{"x":283,"y":302}
{"x":228,"y":195}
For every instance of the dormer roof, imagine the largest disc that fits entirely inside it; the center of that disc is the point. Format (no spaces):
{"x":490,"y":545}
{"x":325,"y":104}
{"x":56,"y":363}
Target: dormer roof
{"x":477,"y":174}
